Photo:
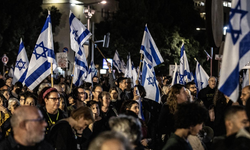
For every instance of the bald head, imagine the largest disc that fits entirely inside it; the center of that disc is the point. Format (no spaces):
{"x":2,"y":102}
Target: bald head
{"x":21,"y":114}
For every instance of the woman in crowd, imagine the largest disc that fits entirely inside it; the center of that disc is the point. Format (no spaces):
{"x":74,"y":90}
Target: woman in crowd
{"x":6,"y":94}
{"x":177,"y":95}
{"x":107,"y":111}
{"x":67,"y":133}
{"x":31,"y":99}
{"x":94,"y":106}
{"x":49,"y":100}
{"x":63,"y":105}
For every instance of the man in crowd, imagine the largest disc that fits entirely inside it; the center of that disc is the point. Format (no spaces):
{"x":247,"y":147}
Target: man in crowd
{"x":188,"y":121}
{"x":245,"y":94}
{"x":192,"y":88}
{"x":28,"y":130}
{"x":235,"y":121}
{"x":206,"y":95}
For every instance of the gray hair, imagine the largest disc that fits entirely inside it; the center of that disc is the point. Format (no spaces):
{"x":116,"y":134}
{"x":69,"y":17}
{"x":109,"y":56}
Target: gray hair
{"x":97,"y":143}
{"x":12,"y":100}
{"x":128,"y":126}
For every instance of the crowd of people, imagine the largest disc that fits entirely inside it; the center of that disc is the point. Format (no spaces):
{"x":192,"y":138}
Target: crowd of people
{"x":107,"y":115}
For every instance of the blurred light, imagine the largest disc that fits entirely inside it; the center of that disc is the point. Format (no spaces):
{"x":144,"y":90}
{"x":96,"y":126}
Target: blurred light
{"x":225,"y":30}
{"x":198,"y":29}
{"x":103,"y":2}
{"x":73,"y":4}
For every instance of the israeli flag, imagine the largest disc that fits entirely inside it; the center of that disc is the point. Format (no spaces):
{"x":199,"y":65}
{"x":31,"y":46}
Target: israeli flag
{"x":78,"y":32}
{"x":236,"y":50}
{"x":91,"y":72}
{"x":150,"y":50}
{"x":150,"y":83}
{"x":42,"y":57}
{"x":201,"y":77}
{"x":128,"y":71}
{"x":185,"y":74}
{"x":117,"y":62}
{"x":78,"y":35}
{"x":21,"y":66}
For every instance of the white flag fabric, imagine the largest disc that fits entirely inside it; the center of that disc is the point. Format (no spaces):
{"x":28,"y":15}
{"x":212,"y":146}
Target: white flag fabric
{"x":134,"y":74}
{"x":140,"y":115}
{"x":150,"y":50}
{"x":236,"y":50}
{"x":201,"y":77}
{"x":117,"y":62}
{"x":78,"y":32}
{"x":91,"y":72}
{"x":150,"y":83}
{"x":128,"y":71}
{"x":185,"y":74}
{"x":176,"y":76}
{"x":21,"y":66}
{"x":78,"y":35}
{"x":123,"y":67}
{"x":43,"y":54}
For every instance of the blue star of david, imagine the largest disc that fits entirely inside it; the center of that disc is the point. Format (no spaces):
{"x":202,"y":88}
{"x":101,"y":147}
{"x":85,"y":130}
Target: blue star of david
{"x":234,"y":32}
{"x":75,"y":33}
{"x":150,"y":81}
{"x":20,"y":64}
{"x":181,"y":79}
{"x":43,"y":54}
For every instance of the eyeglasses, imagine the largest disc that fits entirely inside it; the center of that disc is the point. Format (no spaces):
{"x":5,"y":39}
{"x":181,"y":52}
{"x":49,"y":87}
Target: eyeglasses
{"x":40,"y":120}
{"x":55,"y":98}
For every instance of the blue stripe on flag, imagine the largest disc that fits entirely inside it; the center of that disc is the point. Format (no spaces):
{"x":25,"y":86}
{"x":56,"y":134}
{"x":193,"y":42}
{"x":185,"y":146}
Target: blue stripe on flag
{"x":51,"y":53}
{"x":157,"y":96}
{"x":80,"y":63}
{"x":23,"y":76}
{"x":79,"y":78}
{"x":231,"y":83}
{"x":20,"y":48}
{"x":144,"y":73}
{"x":72,"y":16}
{"x":153,"y":52}
{"x":37,"y":73}
{"x":46,"y":25}
{"x":147,"y":54}
{"x":244,"y":45}
{"x":82,"y":36}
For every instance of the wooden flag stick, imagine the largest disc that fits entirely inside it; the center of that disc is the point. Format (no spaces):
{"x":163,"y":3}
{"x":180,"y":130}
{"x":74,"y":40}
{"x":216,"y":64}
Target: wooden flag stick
{"x":100,"y":51}
{"x":137,"y":81}
{"x":52,"y":81}
{"x":72,"y":75}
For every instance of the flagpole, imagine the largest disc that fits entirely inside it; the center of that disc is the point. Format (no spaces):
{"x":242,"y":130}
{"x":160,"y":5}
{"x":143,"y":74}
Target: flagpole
{"x":211,"y":62}
{"x":137,"y":81}
{"x":52,"y":81}
{"x":72,"y":78}
{"x":100,"y":51}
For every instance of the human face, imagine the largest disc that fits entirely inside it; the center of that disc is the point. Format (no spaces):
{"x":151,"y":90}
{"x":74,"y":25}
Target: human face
{"x":8,"y":82}
{"x":106,"y":100}
{"x":52,"y":102}
{"x":81,"y":94}
{"x":239,"y":121}
{"x":123,"y":85}
{"x":13,"y":106}
{"x":128,"y":83}
{"x":22,"y":100}
{"x":212,"y":82}
{"x":35,"y":126}
{"x":182,"y":96}
{"x":193,"y":89}
{"x":89,"y":95}
{"x":95,"y":80}
{"x":112,"y":144}
{"x":114,"y":94}
{"x":82,"y":124}
{"x":245,"y":94}
{"x":97,"y":91}
{"x":95,"y":110}
{"x":30,"y":101}
{"x":62,"y":104}
{"x":135,"y":108}
{"x":6,"y":94}
{"x":71,"y":100}
{"x":194,"y":130}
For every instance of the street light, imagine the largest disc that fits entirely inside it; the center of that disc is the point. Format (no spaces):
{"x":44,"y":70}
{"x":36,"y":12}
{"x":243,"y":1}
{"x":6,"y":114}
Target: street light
{"x":88,"y":14}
